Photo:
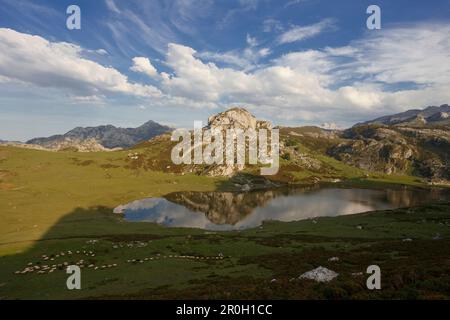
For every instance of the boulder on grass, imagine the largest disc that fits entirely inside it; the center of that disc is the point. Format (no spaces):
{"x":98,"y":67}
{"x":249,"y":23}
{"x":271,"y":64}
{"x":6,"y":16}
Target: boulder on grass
{"x":320,"y":274}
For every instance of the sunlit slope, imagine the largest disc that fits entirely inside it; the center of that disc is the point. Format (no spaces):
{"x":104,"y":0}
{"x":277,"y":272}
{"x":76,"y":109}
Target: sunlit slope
{"x":37,"y":188}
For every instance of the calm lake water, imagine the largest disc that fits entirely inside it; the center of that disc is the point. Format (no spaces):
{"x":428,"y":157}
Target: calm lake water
{"x":231,"y":211}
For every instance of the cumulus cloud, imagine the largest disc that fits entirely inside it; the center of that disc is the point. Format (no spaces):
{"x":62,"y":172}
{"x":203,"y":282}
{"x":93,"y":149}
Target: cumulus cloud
{"x":234,"y":58}
{"x":35,"y":60}
{"x":143,"y":65}
{"x":361,"y":97}
{"x":299,"y":33}
{"x":274,"y":85}
{"x":390,"y":71}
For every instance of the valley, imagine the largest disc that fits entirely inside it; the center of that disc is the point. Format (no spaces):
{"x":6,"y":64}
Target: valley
{"x":53,"y":203}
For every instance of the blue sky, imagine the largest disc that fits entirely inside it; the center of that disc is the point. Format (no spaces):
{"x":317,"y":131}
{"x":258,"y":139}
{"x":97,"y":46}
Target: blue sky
{"x":291,"y":62}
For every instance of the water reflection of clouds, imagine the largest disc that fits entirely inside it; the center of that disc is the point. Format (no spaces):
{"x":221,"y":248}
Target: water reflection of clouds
{"x":284,"y":207}
{"x":164,"y":212}
{"x":326,"y":202}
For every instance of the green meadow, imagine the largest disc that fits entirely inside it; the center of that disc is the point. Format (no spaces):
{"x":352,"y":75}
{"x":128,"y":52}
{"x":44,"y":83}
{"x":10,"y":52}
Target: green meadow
{"x":56,"y":208}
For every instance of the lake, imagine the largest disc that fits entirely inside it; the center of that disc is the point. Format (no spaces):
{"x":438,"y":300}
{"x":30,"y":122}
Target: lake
{"x":237,"y":211}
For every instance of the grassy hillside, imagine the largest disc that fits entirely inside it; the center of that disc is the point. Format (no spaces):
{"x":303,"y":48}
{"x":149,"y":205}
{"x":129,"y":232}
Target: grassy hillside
{"x":60,"y":202}
{"x":37,"y":188}
{"x":421,"y":152}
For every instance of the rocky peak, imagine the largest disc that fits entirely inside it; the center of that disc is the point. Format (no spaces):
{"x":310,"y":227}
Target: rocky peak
{"x":236,"y":118}
{"x":108,"y":136}
{"x":421,"y":118}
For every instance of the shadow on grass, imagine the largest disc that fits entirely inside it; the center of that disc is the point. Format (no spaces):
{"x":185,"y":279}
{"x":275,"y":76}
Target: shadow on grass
{"x":258,"y":264}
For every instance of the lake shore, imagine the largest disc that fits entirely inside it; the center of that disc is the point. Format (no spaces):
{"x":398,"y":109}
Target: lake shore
{"x":61,"y":201}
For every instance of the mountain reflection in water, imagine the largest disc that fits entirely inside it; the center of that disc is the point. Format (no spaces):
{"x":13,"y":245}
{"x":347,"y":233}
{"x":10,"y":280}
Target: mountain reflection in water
{"x":230,"y":210}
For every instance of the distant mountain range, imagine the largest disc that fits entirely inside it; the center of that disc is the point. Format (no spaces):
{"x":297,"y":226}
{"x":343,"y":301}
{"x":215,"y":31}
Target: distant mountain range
{"x":420,"y":151}
{"x":429,"y":116}
{"x":414,"y":142}
{"x":107,"y":136}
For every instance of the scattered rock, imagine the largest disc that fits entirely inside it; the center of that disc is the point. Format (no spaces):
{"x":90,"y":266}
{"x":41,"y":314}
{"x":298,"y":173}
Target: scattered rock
{"x":334,"y":259}
{"x":119,"y":209}
{"x":437,"y":236}
{"x":320,"y":274}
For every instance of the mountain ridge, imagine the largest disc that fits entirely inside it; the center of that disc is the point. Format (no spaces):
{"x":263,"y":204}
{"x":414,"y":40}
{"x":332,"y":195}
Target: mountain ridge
{"x":429,"y":115}
{"x":108,"y":136}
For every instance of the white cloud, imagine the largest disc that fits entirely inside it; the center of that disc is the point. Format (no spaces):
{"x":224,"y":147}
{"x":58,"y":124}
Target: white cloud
{"x":234,"y":58}
{"x":244,"y":6}
{"x":197,"y":80}
{"x":343,"y":84}
{"x":143,"y":65}
{"x":35,"y":60}
{"x":264,"y":52}
{"x":193,"y":79}
{"x":102,"y":52}
{"x":251,"y":41}
{"x":299,"y":33}
{"x":418,"y":54}
{"x":112,"y":6}
{"x":390,"y":71}
{"x":293,"y":2}
{"x":271,"y":24}
{"x":91,"y":100}
{"x":246,"y":59}
{"x":360,"y":97}
{"x":146,"y":24}
{"x":184,"y":14}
